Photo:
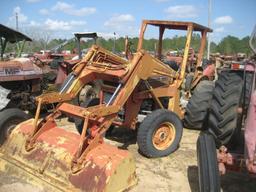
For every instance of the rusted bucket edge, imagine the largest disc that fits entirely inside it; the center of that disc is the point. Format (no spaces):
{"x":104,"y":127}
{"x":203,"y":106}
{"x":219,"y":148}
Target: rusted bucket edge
{"x":8,"y":164}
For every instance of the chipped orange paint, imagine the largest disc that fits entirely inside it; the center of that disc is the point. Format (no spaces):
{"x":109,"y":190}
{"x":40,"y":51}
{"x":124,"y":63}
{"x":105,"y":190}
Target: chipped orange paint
{"x":71,"y":162}
{"x":52,"y":156}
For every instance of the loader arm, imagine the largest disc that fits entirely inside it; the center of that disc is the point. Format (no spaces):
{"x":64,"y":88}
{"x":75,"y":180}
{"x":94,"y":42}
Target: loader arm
{"x":100,"y":63}
{"x":69,"y":161}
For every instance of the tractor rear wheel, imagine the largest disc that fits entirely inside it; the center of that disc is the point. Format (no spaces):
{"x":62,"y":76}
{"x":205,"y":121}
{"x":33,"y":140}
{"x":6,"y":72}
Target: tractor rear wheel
{"x":198,"y":105}
{"x":159,"y":133}
{"x":224,"y":117}
{"x":9,"y":118}
{"x":209,"y":179}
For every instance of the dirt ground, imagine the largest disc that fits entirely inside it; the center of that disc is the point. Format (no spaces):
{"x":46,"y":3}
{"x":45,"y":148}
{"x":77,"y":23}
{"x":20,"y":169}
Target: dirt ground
{"x":177,"y":172}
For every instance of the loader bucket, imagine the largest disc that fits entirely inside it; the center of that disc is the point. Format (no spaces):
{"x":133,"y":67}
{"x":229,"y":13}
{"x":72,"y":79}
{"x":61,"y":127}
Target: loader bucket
{"x":105,"y":168}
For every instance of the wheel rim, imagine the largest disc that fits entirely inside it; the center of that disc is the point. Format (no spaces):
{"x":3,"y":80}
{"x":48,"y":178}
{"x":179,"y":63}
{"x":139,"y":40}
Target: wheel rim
{"x":164,"y":136}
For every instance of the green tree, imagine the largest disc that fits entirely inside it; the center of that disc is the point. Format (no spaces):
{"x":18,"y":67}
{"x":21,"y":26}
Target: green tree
{"x":233,"y":45}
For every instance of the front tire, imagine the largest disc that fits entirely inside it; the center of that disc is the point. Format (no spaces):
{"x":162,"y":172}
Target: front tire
{"x":209,"y":179}
{"x":159,"y":133}
{"x":9,"y":119}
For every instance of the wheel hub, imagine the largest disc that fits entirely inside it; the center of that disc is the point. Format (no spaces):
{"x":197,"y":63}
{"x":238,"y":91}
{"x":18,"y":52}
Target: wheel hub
{"x":163,"y":136}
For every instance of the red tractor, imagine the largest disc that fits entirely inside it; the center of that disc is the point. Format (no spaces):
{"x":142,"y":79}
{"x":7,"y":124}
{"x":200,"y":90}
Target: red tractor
{"x":60,"y":62}
{"x":22,"y":79}
{"x":229,"y":142}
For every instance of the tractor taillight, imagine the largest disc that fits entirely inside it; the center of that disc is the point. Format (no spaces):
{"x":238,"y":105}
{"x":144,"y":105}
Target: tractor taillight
{"x":237,"y":66}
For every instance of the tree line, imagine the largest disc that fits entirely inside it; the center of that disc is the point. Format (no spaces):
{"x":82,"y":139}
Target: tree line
{"x":228,"y":45}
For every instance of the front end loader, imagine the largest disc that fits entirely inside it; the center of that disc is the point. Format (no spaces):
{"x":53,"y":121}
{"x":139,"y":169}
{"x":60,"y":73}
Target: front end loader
{"x":42,"y":151}
{"x":84,"y":162}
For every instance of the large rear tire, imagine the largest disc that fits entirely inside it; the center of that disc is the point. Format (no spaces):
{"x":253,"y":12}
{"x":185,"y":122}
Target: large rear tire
{"x":9,"y":118}
{"x":224,"y":118}
{"x":208,"y":172}
{"x":159,"y":133}
{"x":198,"y":105}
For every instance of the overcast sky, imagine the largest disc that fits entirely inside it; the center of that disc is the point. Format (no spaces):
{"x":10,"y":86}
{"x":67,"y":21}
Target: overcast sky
{"x":62,"y":18}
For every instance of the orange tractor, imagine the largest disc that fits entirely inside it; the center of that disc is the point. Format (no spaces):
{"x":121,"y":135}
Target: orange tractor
{"x":70,"y":161}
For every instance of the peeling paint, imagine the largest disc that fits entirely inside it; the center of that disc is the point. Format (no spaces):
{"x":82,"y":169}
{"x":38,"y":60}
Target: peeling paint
{"x":61,"y":140}
{"x":49,"y":162}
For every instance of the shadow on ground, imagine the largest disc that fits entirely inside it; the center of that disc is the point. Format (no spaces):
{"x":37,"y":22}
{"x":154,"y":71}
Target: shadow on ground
{"x":231,"y":182}
{"x":124,"y":136}
{"x":238,"y":182}
{"x":192,"y":172}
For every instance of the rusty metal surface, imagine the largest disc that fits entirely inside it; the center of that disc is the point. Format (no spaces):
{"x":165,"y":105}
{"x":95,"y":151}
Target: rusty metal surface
{"x":101,"y":64}
{"x":230,"y":161}
{"x":61,"y":75}
{"x":69,"y":161}
{"x":65,"y":159}
{"x":178,"y":25}
{"x":250,"y":133}
{"x":106,"y":168}
{"x":183,"y":62}
{"x":19,"y":69}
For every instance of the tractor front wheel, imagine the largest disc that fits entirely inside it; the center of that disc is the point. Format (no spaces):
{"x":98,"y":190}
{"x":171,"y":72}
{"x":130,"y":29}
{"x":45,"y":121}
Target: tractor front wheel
{"x":209,"y":179}
{"x":159,"y":134}
{"x":9,"y":118}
